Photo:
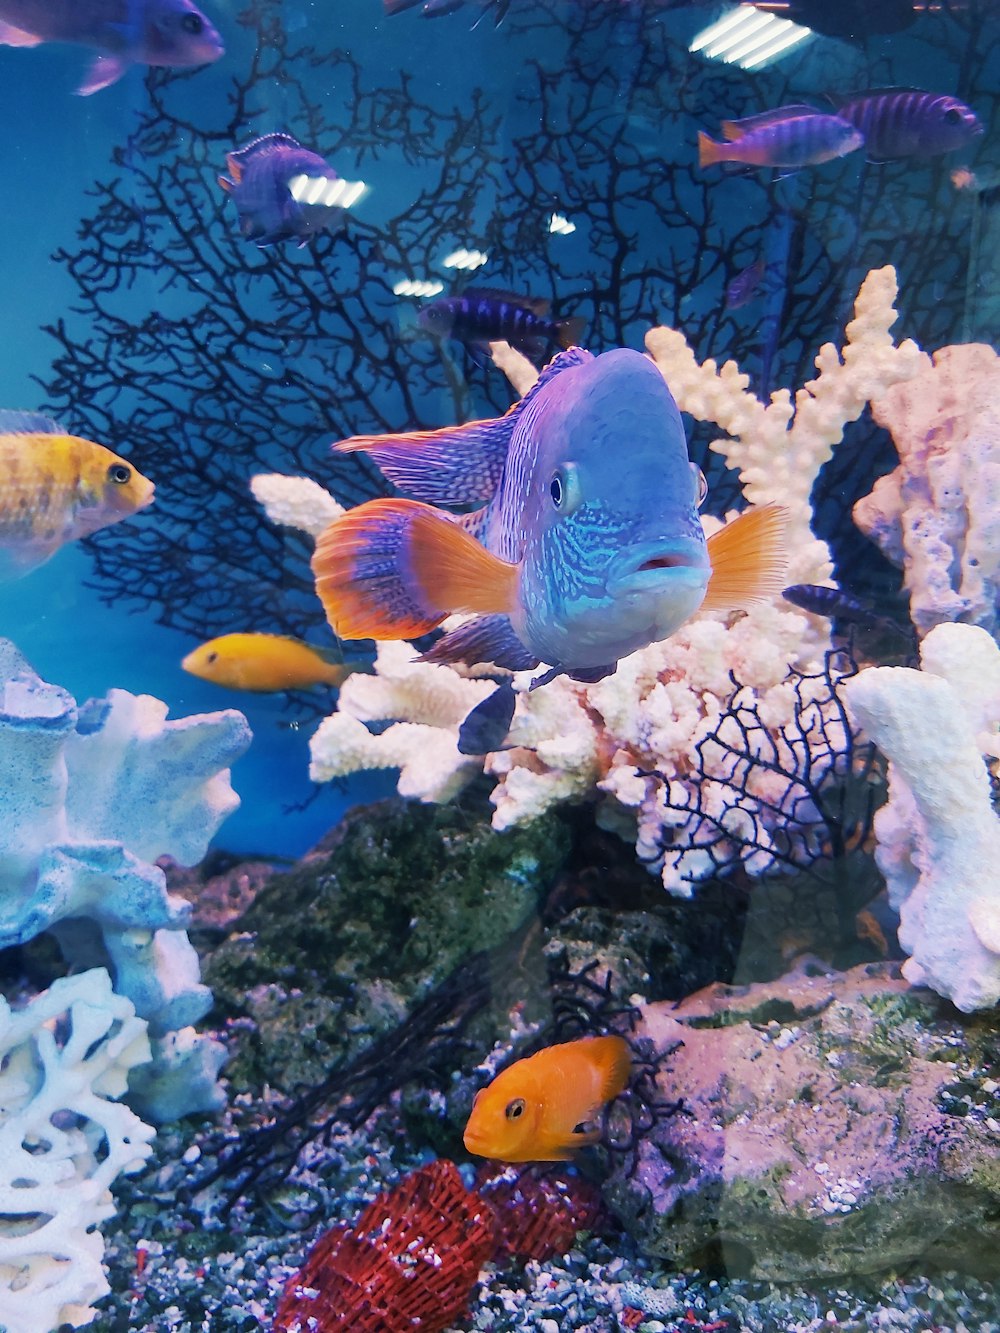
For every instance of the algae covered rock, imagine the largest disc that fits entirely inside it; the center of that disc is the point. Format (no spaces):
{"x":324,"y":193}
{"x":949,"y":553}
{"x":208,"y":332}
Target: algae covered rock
{"x":335,"y":952}
{"x":831,"y":1124}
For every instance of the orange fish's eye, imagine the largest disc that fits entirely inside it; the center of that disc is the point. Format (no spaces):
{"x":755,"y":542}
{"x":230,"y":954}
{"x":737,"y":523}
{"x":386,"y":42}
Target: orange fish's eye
{"x":119,"y":473}
{"x":514,"y":1109}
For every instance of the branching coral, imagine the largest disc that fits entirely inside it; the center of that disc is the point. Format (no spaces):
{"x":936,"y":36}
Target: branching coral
{"x":939,"y":835}
{"x":91,"y":797}
{"x":64,"y":1058}
{"x":937,"y":515}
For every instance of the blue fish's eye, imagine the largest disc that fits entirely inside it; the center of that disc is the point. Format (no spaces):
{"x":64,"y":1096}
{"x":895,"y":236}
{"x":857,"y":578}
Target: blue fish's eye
{"x":700,"y":485}
{"x":953,"y":116}
{"x":192,"y":23}
{"x":513,"y":1110}
{"x":564,"y":489}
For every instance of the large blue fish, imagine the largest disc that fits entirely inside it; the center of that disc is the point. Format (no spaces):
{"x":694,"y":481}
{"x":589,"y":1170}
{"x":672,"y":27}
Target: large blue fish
{"x":261,"y":178}
{"x":588,"y":547}
{"x":125,"y":32}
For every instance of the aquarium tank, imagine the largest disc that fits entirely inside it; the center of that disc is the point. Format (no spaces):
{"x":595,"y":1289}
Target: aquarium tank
{"x":499,"y":668}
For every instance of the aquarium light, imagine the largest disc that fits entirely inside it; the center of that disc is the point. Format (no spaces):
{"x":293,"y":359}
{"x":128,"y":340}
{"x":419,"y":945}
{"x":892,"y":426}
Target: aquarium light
{"x":417,"y":287}
{"x":749,"y":38}
{"x":329,"y":193}
{"x":466,"y":259}
{"x":560,"y":226}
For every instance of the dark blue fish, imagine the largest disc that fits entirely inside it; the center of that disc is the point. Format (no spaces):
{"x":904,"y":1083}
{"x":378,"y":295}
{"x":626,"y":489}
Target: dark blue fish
{"x":746,"y":285}
{"x":905,"y":122}
{"x":486,"y":727}
{"x":486,"y":314}
{"x":855,"y":19}
{"x":261,"y":178}
{"x":837,"y":605}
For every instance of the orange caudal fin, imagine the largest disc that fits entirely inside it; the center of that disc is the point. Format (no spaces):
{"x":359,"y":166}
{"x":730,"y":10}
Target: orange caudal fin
{"x":749,"y":558}
{"x":709,"y":152}
{"x":393,"y":569}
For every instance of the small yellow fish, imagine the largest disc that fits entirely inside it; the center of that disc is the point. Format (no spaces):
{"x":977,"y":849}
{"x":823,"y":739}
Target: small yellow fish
{"x":537,"y":1109}
{"x":266,"y":663}
{"x":55,"y":488}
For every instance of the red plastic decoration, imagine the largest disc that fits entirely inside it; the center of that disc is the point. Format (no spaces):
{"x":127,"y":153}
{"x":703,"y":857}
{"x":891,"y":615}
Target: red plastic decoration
{"x":409,"y":1262}
{"x":538,"y":1211}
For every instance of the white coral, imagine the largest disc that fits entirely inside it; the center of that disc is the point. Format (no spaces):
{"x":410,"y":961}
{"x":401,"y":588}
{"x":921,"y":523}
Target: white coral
{"x":63,"y":1141}
{"x":939,"y":834}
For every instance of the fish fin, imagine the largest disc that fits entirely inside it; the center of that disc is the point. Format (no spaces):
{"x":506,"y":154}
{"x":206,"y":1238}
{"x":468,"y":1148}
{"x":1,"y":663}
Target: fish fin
{"x":570,"y":330}
{"x":749,"y":558}
{"x":485,"y":727}
{"x":710,"y":153}
{"x":613,"y":1057}
{"x":11,"y":36}
{"x":538,"y":305}
{"x":28,"y":423}
{"x":228,"y":185}
{"x":393,"y":569}
{"x":455,"y":465}
{"x":103,"y":71}
{"x":485,"y":639}
{"x":234,"y":166}
{"x":735,"y":129}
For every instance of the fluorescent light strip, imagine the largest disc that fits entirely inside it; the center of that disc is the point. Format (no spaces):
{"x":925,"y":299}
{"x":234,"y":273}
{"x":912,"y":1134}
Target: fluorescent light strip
{"x":464,"y":259}
{"x":715,"y":30}
{"x":750,"y":32}
{"x":417,"y":287}
{"x":789,"y":40}
{"x":322,"y":190}
{"x":763,"y":38}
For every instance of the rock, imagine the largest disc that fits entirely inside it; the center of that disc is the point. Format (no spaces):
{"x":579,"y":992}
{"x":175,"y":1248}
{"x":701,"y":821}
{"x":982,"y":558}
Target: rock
{"x":334,"y":952}
{"x":832,"y":1123}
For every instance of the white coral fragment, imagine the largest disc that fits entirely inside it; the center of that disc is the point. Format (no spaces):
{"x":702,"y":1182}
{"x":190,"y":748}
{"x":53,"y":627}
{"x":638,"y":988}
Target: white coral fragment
{"x":64,"y":1058}
{"x":295,"y":502}
{"x":939,"y":835}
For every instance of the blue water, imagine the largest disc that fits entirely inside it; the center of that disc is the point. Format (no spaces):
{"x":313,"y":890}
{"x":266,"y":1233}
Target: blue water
{"x":693,"y":241}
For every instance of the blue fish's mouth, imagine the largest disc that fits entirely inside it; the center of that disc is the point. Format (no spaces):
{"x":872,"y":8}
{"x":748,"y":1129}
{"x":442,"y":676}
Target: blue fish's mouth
{"x":651,"y":565}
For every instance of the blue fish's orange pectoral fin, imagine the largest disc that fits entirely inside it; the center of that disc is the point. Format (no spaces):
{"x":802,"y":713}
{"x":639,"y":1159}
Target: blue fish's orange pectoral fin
{"x":749,"y":559}
{"x":394,"y":569}
{"x":456,"y":465}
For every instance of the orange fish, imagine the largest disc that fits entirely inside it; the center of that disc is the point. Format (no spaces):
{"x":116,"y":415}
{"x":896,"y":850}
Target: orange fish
{"x":266,"y":663}
{"x":538,"y":1109}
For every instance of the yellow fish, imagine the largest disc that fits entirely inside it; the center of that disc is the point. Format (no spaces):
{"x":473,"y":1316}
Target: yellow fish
{"x":538,"y":1109}
{"x":266,"y":663}
{"x":55,"y":488}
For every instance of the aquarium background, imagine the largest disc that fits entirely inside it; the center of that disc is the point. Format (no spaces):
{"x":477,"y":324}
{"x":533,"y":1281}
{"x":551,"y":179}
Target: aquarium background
{"x":466,"y":136}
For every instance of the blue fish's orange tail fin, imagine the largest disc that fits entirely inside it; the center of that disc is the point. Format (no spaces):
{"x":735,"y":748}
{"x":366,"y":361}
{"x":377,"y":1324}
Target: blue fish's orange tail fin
{"x":749,"y":558}
{"x":710,"y":153}
{"x":394,"y":569}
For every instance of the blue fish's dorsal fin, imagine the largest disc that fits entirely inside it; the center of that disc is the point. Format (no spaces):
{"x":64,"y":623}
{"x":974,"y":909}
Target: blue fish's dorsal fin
{"x":262,"y":144}
{"x":457,"y":465}
{"x":28,"y":423}
{"x":735,"y":129}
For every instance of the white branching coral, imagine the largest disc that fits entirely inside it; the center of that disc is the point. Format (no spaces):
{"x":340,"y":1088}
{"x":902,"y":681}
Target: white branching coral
{"x":669,"y":710}
{"x":778,"y":448}
{"x":939,"y":834}
{"x":64,"y":1058}
{"x":937,"y":515}
{"x":433,"y":701}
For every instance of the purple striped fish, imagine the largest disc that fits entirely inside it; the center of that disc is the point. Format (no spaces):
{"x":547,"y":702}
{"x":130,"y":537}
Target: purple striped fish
{"x":487,"y":314}
{"x":787,"y":136}
{"x":588,"y":546}
{"x":905,"y":122}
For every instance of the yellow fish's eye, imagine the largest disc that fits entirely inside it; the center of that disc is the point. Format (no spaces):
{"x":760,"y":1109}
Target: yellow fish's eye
{"x":514,"y":1109}
{"x":120,"y":474}
{"x":212,"y":657}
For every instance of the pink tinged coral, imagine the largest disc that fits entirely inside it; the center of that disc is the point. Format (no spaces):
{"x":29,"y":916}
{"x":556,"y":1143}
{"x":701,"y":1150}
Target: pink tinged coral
{"x":939,"y":835}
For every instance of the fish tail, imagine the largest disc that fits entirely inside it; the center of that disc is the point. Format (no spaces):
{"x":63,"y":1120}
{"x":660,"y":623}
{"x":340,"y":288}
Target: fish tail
{"x":569,"y":331}
{"x":394,"y":569}
{"x":749,"y":557}
{"x":710,"y":153}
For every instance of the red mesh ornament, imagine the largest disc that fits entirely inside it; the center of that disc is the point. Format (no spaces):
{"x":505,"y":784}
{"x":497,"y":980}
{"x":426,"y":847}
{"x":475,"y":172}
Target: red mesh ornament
{"x":409,"y":1262}
{"x":538,"y":1212}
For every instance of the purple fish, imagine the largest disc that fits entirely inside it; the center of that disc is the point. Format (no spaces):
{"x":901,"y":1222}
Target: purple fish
{"x":904,"y":122}
{"x":746,"y":285}
{"x":587,"y":547}
{"x":273,"y":203}
{"x":174,"y":33}
{"x":486,"y":314}
{"x":788,"y":136}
